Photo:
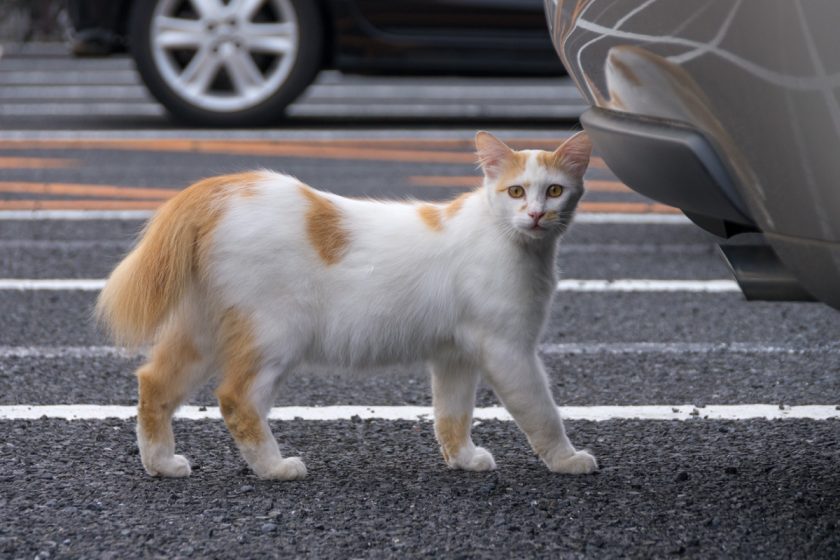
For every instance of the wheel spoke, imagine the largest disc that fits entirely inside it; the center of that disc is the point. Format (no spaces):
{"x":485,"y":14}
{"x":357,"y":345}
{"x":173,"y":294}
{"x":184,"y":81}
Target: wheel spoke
{"x":199,"y":73}
{"x":275,"y":38}
{"x":208,"y":8}
{"x":244,"y":74}
{"x":178,"y":32}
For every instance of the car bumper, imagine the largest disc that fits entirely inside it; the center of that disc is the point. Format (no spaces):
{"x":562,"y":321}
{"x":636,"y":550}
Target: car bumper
{"x":696,"y":104}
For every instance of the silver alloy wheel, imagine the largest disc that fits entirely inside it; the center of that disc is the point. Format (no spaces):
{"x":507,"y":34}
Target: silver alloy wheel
{"x":224,"y":56}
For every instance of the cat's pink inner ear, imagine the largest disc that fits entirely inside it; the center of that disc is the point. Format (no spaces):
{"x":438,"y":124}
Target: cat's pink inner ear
{"x":493,"y":154}
{"x":573,"y":155}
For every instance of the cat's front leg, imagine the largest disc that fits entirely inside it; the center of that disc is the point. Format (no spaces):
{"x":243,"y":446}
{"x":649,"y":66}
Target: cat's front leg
{"x":522,"y":385}
{"x":454,"y":384}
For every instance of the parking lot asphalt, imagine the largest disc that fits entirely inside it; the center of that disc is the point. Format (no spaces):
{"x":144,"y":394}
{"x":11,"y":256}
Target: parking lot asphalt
{"x":377,"y":488}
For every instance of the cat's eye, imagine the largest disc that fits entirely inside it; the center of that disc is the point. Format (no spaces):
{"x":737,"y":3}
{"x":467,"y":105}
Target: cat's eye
{"x":516,"y":191}
{"x":554,"y":191}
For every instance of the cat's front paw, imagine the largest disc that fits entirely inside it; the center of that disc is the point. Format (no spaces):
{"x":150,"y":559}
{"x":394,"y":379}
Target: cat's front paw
{"x":291,"y":468}
{"x":176,"y":466}
{"x":479,"y":459}
{"x":581,"y":462}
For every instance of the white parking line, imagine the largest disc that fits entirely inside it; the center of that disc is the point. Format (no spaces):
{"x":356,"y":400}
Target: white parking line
{"x":569,"y":285}
{"x":24,"y":89}
{"x":549,"y":349}
{"x":644,"y":285}
{"x":604,"y":218}
{"x":565,"y":248}
{"x":581,"y":218}
{"x":421,"y":413}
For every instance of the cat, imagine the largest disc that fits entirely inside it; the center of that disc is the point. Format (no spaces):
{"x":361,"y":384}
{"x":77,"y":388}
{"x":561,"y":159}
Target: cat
{"x":246,"y":276}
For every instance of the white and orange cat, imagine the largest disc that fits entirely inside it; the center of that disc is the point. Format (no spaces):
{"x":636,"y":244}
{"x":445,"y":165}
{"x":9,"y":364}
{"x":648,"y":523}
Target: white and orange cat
{"x":244,"y":277}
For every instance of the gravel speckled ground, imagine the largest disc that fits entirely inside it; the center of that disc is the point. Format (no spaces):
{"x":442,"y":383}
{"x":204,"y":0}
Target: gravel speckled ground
{"x":376,"y":489}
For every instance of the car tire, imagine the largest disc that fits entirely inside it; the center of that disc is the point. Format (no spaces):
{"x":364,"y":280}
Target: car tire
{"x":227,"y":66}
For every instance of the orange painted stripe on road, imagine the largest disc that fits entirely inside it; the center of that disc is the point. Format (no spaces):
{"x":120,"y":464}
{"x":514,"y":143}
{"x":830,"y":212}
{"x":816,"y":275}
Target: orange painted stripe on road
{"x":86,"y":190}
{"x":473,"y":181}
{"x":627,"y":208}
{"x":457,"y":181}
{"x":36,"y":163}
{"x":251,"y":148}
{"x":361,"y":149}
{"x":596,"y":185}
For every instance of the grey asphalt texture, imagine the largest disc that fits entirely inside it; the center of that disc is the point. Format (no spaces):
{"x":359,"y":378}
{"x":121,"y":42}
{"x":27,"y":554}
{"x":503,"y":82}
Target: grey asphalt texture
{"x":379,"y":489}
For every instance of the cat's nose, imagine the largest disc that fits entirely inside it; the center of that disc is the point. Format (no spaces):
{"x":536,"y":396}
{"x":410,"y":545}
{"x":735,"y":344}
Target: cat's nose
{"x":536,"y":215}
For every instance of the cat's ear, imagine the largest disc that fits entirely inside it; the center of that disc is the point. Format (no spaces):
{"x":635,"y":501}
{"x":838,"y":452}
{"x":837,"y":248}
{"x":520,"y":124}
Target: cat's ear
{"x":573,"y":154}
{"x":493,"y":154}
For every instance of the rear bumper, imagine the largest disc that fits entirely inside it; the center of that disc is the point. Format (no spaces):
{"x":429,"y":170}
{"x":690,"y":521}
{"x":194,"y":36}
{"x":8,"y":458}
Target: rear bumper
{"x":672,"y":163}
{"x":675,"y":164}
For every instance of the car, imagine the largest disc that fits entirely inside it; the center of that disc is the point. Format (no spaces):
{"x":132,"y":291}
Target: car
{"x":728,"y":111}
{"x":241,"y":62}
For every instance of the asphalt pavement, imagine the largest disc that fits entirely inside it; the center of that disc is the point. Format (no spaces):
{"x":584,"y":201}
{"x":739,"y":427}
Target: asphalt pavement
{"x":83,"y":162}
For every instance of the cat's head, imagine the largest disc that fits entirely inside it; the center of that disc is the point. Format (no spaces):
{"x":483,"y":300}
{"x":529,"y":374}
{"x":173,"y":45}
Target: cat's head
{"x":534,"y":193}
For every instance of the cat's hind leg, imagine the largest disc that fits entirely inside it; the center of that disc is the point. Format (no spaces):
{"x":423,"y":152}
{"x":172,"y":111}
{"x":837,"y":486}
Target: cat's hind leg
{"x":454,"y":384}
{"x":245,"y":397}
{"x":176,"y":367}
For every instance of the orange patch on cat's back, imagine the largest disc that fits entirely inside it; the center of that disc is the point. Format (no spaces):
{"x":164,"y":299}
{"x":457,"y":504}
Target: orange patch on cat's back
{"x":430,"y":216}
{"x":150,"y":281}
{"x":455,"y":206}
{"x":241,"y":362}
{"x":325,"y":227}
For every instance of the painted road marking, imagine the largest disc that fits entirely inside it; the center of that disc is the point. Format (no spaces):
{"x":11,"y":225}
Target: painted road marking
{"x":397,"y":149}
{"x":581,"y":217}
{"x":472,"y":181}
{"x":424,"y":413}
{"x":43,"y":85}
{"x":458,"y":137}
{"x":549,"y":349}
{"x":643,"y":285}
{"x":568,"y":285}
{"x":75,"y":189}
{"x":57,"y":204}
{"x":120,"y":204}
{"x":36,"y":163}
{"x":74,"y":215}
{"x":564,"y":249}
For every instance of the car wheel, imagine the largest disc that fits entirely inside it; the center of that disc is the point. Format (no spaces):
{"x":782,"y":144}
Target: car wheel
{"x":226,"y":62}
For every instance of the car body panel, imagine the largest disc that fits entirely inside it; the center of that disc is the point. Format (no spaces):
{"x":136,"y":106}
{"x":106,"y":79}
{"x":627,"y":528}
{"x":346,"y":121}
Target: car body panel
{"x":492,"y":37}
{"x":759,"y":79}
{"x":441,"y":36}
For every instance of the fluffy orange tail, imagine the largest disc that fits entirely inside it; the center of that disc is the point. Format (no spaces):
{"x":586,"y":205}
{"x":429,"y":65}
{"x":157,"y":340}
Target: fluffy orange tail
{"x":147,"y":285}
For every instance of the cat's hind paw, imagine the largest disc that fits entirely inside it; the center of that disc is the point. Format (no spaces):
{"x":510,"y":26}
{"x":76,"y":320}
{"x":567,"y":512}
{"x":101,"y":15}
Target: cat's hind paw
{"x":582,"y":462}
{"x":291,"y":468}
{"x":176,"y":466}
{"x":479,"y":460}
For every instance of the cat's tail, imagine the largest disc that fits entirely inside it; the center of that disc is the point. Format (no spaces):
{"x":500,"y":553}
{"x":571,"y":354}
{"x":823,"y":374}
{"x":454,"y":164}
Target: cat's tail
{"x":153,"y":278}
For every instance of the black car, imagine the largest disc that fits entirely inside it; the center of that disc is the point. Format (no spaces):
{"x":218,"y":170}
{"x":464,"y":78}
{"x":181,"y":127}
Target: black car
{"x":241,"y":62}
